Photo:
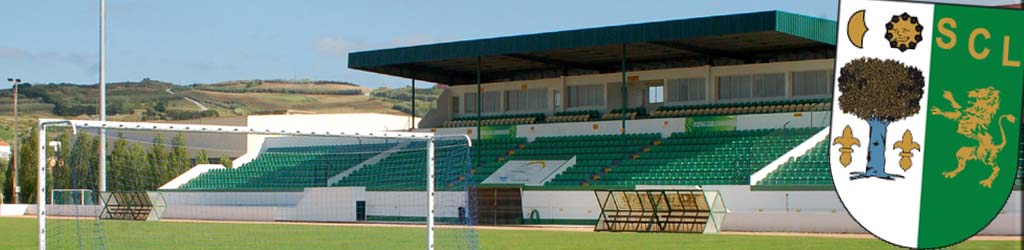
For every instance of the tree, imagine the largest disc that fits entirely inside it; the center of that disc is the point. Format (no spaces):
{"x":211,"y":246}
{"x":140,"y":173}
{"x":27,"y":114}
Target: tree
{"x":226,"y":161}
{"x":3,"y":180}
{"x":158,"y":161}
{"x":201,"y":158}
{"x":179,"y":156}
{"x":27,"y":158}
{"x":82,"y":162}
{"x":138,"y":167}
{"x":8,"y":182}
{"x":60,"y":171}
{"x":879,"y":92}
{"x":119,"y":165}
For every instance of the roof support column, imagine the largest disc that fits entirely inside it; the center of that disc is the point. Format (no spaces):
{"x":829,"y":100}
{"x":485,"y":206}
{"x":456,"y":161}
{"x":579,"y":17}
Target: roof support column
{"x":413,"y":104}
{"x":624,"y":96}
{"x":479,"y":122}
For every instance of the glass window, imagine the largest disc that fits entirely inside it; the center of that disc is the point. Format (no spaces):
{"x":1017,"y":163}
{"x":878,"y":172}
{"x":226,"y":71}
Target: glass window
{"x":686,"y":90}
{"x":470,"y":103}
{"x":526,"y":100}
{"x":734,"y":87}
{"x":812,"y":83}
{"x":491,"y":102}
{"x":769,"y":85}
{"x":586,"y":96}
{"x":558,"y":99}
{"x":655,"y":94}
{"x":455,"y":105}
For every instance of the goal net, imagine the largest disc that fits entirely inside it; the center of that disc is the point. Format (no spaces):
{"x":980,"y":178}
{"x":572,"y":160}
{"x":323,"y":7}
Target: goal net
{"x":187,"y":186}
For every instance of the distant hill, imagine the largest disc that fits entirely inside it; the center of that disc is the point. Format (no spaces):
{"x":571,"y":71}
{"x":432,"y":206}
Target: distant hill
{"x":283,"y":86}
{"x":150,"y":100}
{"x":426,"y":98}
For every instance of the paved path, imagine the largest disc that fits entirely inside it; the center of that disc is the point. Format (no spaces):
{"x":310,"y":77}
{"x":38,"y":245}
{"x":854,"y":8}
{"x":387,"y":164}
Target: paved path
{"x":197,"y":103}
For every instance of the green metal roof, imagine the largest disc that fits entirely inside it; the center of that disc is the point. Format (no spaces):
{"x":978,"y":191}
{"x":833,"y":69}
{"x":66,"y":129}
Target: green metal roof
{"x":746,"y":37}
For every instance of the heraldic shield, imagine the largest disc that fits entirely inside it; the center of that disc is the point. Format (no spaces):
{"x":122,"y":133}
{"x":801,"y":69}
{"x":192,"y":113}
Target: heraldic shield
{"x":925,"y":133}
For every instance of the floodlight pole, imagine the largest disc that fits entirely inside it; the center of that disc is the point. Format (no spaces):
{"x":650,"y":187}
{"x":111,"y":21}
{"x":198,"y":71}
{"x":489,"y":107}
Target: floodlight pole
{"x":14,"y":144}
{"x":102,"y":185}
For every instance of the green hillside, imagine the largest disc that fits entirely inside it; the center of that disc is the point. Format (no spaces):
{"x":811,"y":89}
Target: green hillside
{"x":154,"y":100}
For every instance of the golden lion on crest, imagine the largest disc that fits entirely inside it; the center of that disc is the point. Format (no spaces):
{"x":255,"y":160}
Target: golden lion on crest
{"x":973,"y":122}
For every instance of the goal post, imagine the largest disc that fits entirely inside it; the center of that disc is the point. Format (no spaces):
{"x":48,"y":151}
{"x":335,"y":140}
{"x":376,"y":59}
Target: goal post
{"x":379,"y":174}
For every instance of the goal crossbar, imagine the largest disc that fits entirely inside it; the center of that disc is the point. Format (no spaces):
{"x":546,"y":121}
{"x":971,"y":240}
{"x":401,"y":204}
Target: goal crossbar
{"x":199,"y":128}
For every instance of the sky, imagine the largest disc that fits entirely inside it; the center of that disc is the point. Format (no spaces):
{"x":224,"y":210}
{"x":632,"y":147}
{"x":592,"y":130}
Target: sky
{"x":203,"y":41}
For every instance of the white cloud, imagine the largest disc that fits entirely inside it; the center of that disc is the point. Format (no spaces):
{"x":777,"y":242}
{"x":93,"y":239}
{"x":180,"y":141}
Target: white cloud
{"x":81,"y":60}
{"x":340,"y":47}
{"x":417,"y":39}
{"x":335,"y":47}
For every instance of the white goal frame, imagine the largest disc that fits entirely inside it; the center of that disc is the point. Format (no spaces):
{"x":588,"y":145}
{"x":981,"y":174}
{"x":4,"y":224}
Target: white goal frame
{"x":198,"y":128}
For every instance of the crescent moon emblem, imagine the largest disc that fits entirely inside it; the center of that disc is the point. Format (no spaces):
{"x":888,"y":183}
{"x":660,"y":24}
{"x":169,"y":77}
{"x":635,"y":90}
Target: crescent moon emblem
{"x":856,"y":28}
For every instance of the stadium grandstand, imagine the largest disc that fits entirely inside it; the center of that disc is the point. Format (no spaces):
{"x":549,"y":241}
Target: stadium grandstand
{"x":737,"y":104}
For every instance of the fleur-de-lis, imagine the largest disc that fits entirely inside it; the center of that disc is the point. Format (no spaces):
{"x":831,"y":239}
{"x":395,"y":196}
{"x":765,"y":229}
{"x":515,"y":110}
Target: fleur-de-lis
{"x":847,"y":141}
{"x":906,"y":145}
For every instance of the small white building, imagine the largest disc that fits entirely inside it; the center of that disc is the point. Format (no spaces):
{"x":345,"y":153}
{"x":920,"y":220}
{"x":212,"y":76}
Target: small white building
{"x":5,"y":150}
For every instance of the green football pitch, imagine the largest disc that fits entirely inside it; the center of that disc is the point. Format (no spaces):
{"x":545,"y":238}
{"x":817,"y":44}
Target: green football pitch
{"x":19,"y":233}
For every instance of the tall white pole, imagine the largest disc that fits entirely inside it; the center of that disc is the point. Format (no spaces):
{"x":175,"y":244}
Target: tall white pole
{"x":430,"y":194}
{"x":41,"y":184}
{"x":103,"y":98}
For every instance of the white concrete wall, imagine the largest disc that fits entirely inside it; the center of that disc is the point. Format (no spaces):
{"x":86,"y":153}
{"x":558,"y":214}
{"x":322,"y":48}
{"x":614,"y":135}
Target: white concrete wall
{"x":346,"y":122}
{"x":578,"y":205}
{"x":413,"y":203}
{"x":324,"y":204}
{"x":776,"y":211}
{"x":13,"y":209}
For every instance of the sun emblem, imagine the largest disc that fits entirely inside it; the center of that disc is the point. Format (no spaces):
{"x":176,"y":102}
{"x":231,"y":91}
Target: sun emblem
{"x":903,"y":32}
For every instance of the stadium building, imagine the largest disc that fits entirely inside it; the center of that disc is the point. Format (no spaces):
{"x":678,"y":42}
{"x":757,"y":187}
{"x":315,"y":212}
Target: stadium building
{"x":736,"y":106}
{"x":737,"y":103}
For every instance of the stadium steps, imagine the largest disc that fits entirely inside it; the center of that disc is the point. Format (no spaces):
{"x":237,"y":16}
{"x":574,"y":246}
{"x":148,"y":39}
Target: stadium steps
{"x":811,"y":168}
{"x":288,"y":167}
{"x":373,"y":160}
{"x":405,"y":170}
{"x":811,"y":171}
{"x":806,"y":105}
{"x":495,"y":120}
{"x":705,"y":158}
{"x":594,"y":153}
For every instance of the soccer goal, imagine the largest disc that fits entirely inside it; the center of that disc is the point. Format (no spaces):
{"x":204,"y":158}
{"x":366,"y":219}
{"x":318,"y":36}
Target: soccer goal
{"x":191,"y":186}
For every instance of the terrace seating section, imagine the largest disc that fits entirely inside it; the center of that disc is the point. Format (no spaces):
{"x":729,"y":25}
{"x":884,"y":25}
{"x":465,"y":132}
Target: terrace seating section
{"x":574,"y":116}
{"x":593,"y":153}
{"x":811,"y":168}
{"x":1020,"y":177}
{"x":631,"y":113}
{"x":493,"y":154}
{"x":705,"y":158}
{"x":288,"y":167}
{"x":405,"y":170}
{"x":492,"y":120}
{"x":806,"y":105}
{"x":1020,"y":164}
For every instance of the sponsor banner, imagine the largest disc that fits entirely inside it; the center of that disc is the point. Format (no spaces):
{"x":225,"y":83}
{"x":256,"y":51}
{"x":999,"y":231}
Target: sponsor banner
{"x":711,"y":123}
{"x":496,"y":132}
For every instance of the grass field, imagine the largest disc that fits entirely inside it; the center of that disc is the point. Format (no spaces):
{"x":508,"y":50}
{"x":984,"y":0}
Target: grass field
{"x":19,"y":233}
